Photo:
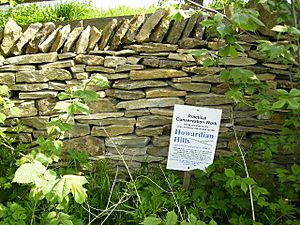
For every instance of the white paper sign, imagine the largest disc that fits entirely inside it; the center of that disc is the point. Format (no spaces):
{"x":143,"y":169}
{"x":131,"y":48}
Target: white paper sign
{"x":193,"y":137}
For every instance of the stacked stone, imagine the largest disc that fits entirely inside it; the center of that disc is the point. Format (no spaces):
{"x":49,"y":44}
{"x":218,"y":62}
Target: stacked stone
{"x":133,"y":117}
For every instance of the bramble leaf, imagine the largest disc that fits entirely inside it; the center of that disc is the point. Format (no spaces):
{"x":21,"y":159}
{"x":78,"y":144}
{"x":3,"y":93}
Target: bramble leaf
{"x":229,"y":172}
{"x":171,"y":218}
{"x":151,"y":220}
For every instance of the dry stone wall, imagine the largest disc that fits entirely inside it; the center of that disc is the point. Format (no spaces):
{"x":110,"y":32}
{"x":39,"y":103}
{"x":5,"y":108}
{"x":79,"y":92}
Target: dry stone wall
{"x":149,"y":65}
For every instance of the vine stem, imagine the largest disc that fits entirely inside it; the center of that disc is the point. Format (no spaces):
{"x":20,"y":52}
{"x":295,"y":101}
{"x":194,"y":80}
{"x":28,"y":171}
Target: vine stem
{"x":33,"y":212}
{"x":247,"y":175}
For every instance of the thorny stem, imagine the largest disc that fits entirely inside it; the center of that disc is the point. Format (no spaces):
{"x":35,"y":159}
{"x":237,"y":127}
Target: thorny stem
{"x":247,"y":175}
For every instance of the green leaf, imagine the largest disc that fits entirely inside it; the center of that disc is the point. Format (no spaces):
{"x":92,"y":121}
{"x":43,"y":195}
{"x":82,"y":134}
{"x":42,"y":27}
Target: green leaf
{"x":77,"y":189}
{"x":207,"y":23}
{"x":81,"y":107}
{"x":212,"y":222}
{"x":244,"y":187}
{"x":295,"y":169}
{"x":65,"y":219}
{"x":64,"y":96}
{"x":208,"y":62}
{"x":50,"y":175}
{"x":2,"y":117}
{"x":295,"y":31}
{"x":232,"y":51}
{"x":171,"y":218}
{"x":280,"y":29}
{"x":229,"y":173}
{"x":218,"y":17}
{"x":279,"y":104}
{"x":29,"y":173}
{"x":249,"y":180}
{"x":223,"y":29}
{"x":86,"y":95}
{"x":268,"y":155}
{"x":295,"y":92}
{"x":151,"y":220}
{"x":293,"y":104}
{"x":62,"y":188}
{"x":62,"y":106}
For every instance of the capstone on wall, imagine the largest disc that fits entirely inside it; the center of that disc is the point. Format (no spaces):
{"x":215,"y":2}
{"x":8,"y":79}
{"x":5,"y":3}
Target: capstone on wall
{"x":150,"y":67}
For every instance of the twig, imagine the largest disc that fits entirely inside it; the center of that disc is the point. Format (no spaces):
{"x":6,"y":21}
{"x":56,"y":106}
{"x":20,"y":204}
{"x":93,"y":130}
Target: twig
{"x":110,"y":210}
{"x":247,"y":175}
{"x":125,"y":164}
{"x":112,"y":187}
{"x":208,"y":9}
{"x":172,"y":192}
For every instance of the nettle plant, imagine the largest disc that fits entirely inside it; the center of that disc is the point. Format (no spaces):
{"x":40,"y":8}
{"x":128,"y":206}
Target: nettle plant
{"x":38,"y":169}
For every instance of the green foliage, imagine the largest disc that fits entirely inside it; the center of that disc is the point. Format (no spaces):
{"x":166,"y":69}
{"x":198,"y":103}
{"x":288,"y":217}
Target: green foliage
{"x":64,"y":11}
{"x":13,"y":213}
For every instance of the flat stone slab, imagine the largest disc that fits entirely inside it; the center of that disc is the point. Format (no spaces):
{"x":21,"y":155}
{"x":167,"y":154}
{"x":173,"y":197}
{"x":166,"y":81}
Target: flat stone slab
{"x":207,"y":99}
{"x":39,"y":122}
{"x":43,"y":33}
{"x":125,"y":94}
{"x":153,"y":47}
{"x":7,"y":78}
{"x":38,"y":76}
{"x":46,"y":44}
{"x":99,"y":116}
{"x":149,"y":25}
{"x":135,"y":24}
{"x":29,"y":34}
{"x":90,"y":60}
{"x":99,"y":69}
{"x":83,"y":41}
{"x":14,"y":68}
{"x":12,"y":33}
{"x":112,"y":131}
{"x":149,"y":103}
{"x":107,"y":32}
{"x":119,"y":35}
{"x":109,"y":121}
{"x":149,"y":131}
{"x":150,"y":74}
{"x":30,"y":87}
{"x":152,"y":120}
{"x":164,"y":92}
{"x":94,"y":146}
{"x":114,"y":61}
{"x":239,"y":61}
{"x":181,"y":57}
{"x":37,"y":94}
{"x":33,"y":58}
{"x":73,"y":36}
{"x":127,"y":141}
{"x":58,"y":65}
{"x":202,"y":70}
{"x":129,"y":85}
{"x":192,"y":87}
